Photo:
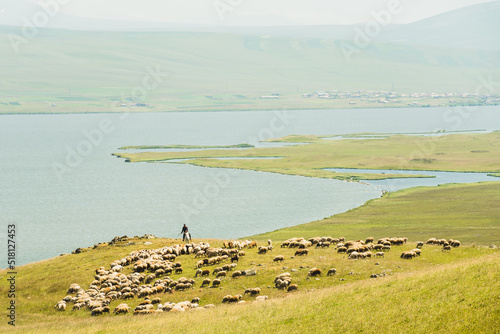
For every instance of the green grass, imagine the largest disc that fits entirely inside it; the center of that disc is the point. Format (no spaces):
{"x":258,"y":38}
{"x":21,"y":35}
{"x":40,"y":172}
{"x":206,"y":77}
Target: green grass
{"x":458,"y":291}
{"x":189,"y":147}
{"x":467,"y":212}
{"x":466,"y":280}
{"x":456,"y":152}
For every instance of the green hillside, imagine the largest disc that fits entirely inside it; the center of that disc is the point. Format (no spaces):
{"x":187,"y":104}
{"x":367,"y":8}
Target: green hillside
{"x":437,"y":292}
{"x":199,"y":69}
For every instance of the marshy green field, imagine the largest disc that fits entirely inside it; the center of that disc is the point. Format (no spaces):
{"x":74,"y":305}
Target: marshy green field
{"x":471,"y":152}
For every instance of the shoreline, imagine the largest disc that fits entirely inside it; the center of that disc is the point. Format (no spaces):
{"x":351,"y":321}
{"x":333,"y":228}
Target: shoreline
{"x":256,"y":109}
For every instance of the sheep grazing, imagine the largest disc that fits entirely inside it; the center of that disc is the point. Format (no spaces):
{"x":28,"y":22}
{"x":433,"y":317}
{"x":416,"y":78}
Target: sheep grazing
{"x":301,"y":252}
{"x":279,"y":258}
{"x":342,"y":249}
{"x":178,"y":270}
{"x":379,"y":254}
{"x":236,"y":274}
{"x":331,"y":272}
{"x":232,"y":299}
{"x":282,"y":281}
{"x":354,"y":255}
{"x":221,"y":273}
{"x":292,"y":287}
{"x":420,"y":244}
{"x":195,"y":300}
{"x":235,"y":258}
{"x":408,"y":255}
{"x":417,"y":251}
{"x":156,"y":300}
{"x":205,"y":272}
{"x":314,"y":272}
{"x":386,"y":248}
{"x":446,"y":248}
{"x":61,"y":306}
{"x":252,"y":291}
{"x":262,"y":250}
{"x":216,"y":283}
{"x":206,"y":281}
{"x":97,"y":311}
{"x":74,"y":288}
{"x":454,"y":243}
{"x":146,"y":301}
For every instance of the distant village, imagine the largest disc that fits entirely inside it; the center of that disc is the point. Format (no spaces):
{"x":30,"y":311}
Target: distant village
{"x":385,"y":97}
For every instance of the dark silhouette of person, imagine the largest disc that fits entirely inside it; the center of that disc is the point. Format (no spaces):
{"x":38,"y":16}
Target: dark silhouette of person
{"x":184,"y":229}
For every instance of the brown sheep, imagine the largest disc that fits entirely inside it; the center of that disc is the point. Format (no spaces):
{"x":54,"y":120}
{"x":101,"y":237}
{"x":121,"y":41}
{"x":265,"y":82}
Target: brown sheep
{"x":236,"y":274}
{"x":292,"y":287}
{"x":232,"y":299}
{"x":408,"y":255}
{"x":221,"y":273}
{"x":178,"y":270}
{"x":216,"y":282}
{"x":446,"y":248}
{"x":301,"y":252}
{"x":252,"y":291}
{"x":331,"y":272}
{"x":206,"y":281}
{"x":279,"y":258}
{"x":262,"y":250}
{"x":127,"y":295}
{"x":205,"y":272}
{"x":314,"y":272}
{"x":342,"y":249}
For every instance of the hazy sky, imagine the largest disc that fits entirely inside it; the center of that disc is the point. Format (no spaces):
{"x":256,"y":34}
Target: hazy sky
{"x":244,"y":12}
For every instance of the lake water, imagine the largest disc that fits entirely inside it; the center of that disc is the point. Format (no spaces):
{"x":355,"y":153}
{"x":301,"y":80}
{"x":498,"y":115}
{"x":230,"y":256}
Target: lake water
{"x":63,"y":189}
{"x":403,"y":183}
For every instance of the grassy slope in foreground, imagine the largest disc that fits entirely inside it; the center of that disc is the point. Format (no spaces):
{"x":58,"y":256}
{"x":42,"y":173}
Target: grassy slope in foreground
{"x":467,"y":212}
{"x":456,"y":152}
{"x":459,"y":297}
{"x":457,"y":290}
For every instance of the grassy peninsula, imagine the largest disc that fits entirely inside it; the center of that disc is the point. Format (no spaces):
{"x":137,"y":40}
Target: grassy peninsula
{"x":471,"y":152}
{"x":182,"y":147}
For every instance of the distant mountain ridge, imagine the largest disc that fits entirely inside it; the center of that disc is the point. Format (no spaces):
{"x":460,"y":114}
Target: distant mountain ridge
{"x":474,"y":26}
{"x":432,"y":55}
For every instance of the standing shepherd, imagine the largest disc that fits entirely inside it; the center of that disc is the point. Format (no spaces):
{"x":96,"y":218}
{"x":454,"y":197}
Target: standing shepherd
{"x":186,"y":236}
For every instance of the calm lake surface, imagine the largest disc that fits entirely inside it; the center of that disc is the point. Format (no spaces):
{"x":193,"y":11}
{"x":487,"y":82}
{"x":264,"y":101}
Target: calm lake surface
{"x":62,"y":188}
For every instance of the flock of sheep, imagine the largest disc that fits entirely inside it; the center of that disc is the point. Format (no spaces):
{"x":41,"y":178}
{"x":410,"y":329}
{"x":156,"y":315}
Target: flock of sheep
{"x":149,"y":278}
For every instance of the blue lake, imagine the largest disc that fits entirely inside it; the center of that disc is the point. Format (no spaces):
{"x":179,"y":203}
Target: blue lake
{"x":63,"y":189}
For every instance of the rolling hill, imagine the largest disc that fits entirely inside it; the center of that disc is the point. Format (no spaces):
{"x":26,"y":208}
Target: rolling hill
{"x":69,"y":65}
